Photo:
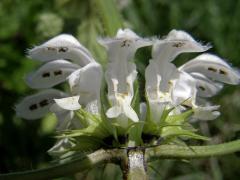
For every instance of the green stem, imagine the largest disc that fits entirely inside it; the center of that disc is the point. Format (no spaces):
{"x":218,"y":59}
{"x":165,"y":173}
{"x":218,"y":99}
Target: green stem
{"x":113,"y":155}
{"x":190,"y":152}
{"x":69,"y":168}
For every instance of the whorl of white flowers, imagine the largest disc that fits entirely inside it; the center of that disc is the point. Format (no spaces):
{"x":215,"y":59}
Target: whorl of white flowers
{"x":166,"y":85}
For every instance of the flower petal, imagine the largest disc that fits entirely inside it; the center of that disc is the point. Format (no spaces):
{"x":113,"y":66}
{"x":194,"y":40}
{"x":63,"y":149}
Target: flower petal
{"x":153,"y":79}
{"x":51,"y":74}
{"x":63,"y":46}
{"x":124,"y":45}
{"x":156,"y":110}
{"x":69,"y":103}
{"x":64,"y":119}
{"x":205,"y":86}
{"x":130,"y":113}
{"x":206,"y":112}
{"x":37,"y":105}
{"x":86,"y":82}
{"x":158,"y":75}
{"x":213,"y":67}
{"x":114,"y":112}
{"x":175,"y":43}
{"x":184,"y":89}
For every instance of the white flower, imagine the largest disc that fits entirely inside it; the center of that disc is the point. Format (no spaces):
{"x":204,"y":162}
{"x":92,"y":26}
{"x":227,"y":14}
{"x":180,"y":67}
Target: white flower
{"x":206,"y":69}
{"x":167,"y":86}
{"x":161,"y":73}
{"x":121,"y":73}
{"x":64,"y":110}
{"x":63,"y":46}
{"x":51,"y":74}
{"x":84,"y":77}
{"x":86,"y":82}
{"x":184,"y":94}
{"x":212,"y":67}
{"x":37,"y":105}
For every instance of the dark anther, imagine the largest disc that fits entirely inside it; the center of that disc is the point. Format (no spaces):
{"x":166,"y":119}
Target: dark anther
{"x":46,"y":74}
{"x":63,"y":49}
{"x":202,"y":88}
{"x":51,"y":48}
{"x":43,"y":103}
{"x":59,"y":72}
{"x":123,"y":43}
{"x":126,"y":43}
{"x":222,"y":72}
{"x":178,"y":44}
{"x":33,"y":107}
{"x":212,"y":69}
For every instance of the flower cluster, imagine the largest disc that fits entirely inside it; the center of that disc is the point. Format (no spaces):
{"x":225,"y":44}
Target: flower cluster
{"x":173,"y":94}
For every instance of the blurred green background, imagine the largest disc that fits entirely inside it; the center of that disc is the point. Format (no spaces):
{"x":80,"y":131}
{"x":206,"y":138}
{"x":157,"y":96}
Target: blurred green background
{"x":23,"y":24}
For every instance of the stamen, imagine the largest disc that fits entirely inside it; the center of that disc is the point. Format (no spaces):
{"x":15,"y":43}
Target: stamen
{"x":126,"y":43}
{"x":63,"y":49}
{"x":178,"y":44}
{"x":33,"y":107}
{"x":51,"y":48}
{"x":202,"y":88}
{"x":222,"y":72}
{"x":212,"y":69}
{"x":59,"y":72}
{"x":43,"y":103}
{"x":46,"y":74}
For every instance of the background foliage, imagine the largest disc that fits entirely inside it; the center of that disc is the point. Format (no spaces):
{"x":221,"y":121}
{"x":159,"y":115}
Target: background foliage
{"x":23,"y":144}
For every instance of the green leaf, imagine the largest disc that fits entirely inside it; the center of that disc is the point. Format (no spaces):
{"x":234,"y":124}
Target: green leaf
{"x":176,"y":131}
{"x":88,"y":143}
{"x":135,"y":134}
{"x":110,"y":16}
{"x":180,"y":118}
{"x":88,"y":32}
{"x":95,"y":126}
{"x":136,"y":98}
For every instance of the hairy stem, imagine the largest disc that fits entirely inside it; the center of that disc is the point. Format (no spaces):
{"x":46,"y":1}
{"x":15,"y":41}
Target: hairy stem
{"x":69,"y":168}
{"x":111,"y":155}
{"x":190,"y":152}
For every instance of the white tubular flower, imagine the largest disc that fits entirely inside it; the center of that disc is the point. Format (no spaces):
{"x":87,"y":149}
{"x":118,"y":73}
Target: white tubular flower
{"x":37,"y":105}
{"x":184,"y":93}
{"x":175,"y":43}
{"x":86,"y":82}
{"x":63,"y":46}
{"x":206,"y":112}
{"x":69,"y":103}
{"x":206,"y":69}
{"x":121,"y":73}
{"x":212,"y":67}
{"x":160,"y":72}
{"x":51,"y":74}
{"x":84,"y":76}
{"x":64,"y":110}
{"x":183,"y":90}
